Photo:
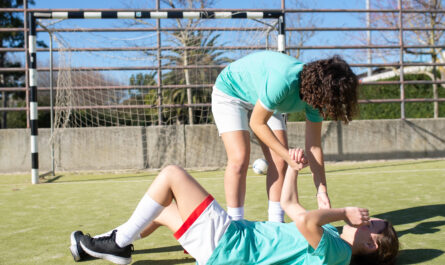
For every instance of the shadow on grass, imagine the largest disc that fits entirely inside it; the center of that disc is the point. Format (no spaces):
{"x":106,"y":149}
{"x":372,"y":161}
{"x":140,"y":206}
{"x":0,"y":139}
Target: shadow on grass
{"x":159,"y":250}
{"x":415,"y":256}
{"x":417,"y":215}
{"x":164,"y":262}
{"x":414,"y":214}
{"x":423,"y":228}
{"x":50,"y":180}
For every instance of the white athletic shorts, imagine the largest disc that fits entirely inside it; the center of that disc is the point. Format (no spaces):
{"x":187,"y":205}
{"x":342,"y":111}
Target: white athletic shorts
{"x":231,"y":114}
{"x":201,"y":232}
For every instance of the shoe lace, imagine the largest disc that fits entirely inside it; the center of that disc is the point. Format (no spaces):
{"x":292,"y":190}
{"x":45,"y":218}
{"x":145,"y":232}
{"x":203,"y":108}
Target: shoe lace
{"x":99,"y":237}
{"x":108,"y":238}
{"x":104,"y":239}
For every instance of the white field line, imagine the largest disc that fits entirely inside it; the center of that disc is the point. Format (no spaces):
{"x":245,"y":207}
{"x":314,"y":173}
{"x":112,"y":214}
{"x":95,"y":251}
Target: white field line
{"x":340,"y":173}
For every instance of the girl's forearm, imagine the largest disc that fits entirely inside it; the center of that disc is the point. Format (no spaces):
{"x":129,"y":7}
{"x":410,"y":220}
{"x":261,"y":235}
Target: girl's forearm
{"x":265,"y":134}
{"x":258,"y":123}
{"x":289,"y":194}
{"x":325,"y":216}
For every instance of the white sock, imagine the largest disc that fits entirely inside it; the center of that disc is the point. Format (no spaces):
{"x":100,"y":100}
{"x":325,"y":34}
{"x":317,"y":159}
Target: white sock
{"x":146,"y":211}
{"x":109,"y":233}
{"x":236,"y":213}
{"x":276,"y":214}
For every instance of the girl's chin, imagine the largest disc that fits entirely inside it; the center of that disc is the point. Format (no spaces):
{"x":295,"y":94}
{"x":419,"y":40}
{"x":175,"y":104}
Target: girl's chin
{"x":347,"y":228}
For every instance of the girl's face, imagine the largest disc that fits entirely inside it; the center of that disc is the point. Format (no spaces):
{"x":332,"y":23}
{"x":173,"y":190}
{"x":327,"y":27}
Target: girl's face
{"x":367,"y":235}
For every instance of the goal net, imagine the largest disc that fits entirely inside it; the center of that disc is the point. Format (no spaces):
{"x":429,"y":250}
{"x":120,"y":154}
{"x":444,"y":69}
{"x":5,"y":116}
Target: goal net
{"x":147,"y":76}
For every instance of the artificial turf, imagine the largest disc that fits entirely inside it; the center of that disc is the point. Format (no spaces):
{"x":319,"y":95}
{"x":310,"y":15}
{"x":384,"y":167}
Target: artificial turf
{"x":36,"y":220}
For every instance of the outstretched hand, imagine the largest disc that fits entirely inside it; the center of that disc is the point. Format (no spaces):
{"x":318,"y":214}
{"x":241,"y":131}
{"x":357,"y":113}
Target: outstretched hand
{"x":323,"y":200}
{"x":356,"y":216}
{"x":297,"y":155}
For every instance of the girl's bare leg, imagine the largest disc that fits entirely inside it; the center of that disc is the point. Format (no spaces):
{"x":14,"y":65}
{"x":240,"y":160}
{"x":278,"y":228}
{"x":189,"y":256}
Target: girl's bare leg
{"x":275,"y":176}
{"x":237,"y":144}
{"x":173,"y":182}
{"x":169,"y":217}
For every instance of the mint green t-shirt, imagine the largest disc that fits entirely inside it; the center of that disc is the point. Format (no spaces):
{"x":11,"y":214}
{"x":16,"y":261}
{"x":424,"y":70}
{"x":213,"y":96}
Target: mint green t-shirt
{"x":271,"y":77}
{"x":250,"y":243}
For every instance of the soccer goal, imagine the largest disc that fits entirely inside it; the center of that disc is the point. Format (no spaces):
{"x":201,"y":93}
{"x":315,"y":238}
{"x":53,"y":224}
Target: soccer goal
{"x":136,"y":69}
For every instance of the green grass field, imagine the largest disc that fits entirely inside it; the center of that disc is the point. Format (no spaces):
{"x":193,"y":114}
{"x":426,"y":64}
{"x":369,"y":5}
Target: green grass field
{"x":36,"y":220}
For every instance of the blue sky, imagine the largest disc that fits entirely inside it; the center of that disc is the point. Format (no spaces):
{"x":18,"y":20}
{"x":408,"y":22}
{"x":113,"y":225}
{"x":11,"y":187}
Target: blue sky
{"x":322,"y":19}
{"x":329,"y":19}
{"x":145,"y":39}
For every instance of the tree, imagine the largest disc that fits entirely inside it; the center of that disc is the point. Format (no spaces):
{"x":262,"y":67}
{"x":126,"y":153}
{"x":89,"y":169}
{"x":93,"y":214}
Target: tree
{"x":307,"y":20}
{"x":188,"y":77}
{"x":12,"y":79}
{"x":90,"y":90}
{"x":148,"y":98}
{"x":12,"y":40}
{"x":187,"y":37}
{"x":430,"y":37}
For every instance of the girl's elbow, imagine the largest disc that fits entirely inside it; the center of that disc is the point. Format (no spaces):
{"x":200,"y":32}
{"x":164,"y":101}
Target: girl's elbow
{"x":253,"y":125}
{"x":301,"y":220}
{"x":289,"y":206}
{"x":284,"y":204}
{"x":307,"y":222}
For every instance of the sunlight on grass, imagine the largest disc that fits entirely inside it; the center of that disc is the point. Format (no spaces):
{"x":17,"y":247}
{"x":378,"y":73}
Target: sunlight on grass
{"x":38,"y":219}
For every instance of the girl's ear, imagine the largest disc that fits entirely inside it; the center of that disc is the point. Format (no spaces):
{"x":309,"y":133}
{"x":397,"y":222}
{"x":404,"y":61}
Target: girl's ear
{"x":371,"y":246}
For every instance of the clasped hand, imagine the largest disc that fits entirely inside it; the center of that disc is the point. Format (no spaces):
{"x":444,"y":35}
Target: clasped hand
{"x":297,"y":155}
{"x":356,"y":216}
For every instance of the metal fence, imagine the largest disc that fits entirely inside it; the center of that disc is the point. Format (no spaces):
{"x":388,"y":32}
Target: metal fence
{"x":174,"y":87}
{"x":401,"y":27}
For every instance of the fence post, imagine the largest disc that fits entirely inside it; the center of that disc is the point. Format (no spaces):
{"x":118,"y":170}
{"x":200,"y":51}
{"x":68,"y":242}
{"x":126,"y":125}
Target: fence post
{"x":159,"y":92}
{"x":402,"y":78}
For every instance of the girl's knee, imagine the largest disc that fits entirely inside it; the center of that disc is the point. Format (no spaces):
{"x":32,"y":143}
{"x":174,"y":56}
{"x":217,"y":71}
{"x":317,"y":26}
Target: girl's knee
{"x":171,"y":171}
{"x":171,"y":168}
{"x":238,"y":167}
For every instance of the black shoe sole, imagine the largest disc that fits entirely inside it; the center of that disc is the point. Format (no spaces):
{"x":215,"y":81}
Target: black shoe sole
{"x":109,"y":257}
{"x":73,"y":248}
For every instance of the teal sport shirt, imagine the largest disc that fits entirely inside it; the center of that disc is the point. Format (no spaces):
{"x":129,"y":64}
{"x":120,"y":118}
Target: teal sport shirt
{"x":250,"y":243}
{"x":271,"y":77}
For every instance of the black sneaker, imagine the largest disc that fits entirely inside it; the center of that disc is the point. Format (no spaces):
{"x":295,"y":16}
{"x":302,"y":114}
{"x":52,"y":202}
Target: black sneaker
{"x":106,"y":248}
{"x":75,"y":248}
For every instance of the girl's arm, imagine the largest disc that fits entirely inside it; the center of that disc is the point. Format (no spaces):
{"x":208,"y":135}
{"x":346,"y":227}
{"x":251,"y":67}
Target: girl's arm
{"x":314,"y":155}
{"x":258,"y":124}
{"x":289,"y":195}
{"x":309,"y":222}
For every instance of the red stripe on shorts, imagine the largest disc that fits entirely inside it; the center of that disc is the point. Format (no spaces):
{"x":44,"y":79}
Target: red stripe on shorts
{"x":193,"y":216}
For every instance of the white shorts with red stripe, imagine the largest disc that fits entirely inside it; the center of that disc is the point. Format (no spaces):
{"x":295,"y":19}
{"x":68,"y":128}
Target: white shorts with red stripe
{"x":201,"y":232}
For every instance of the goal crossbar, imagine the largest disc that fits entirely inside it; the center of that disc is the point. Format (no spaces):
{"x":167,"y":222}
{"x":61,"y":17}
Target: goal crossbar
{"x":157,"y":14}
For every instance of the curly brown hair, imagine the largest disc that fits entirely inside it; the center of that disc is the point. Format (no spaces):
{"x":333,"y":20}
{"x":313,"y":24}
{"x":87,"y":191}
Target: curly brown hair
{"x":386,"y":253}
{"x":330,"y":86}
